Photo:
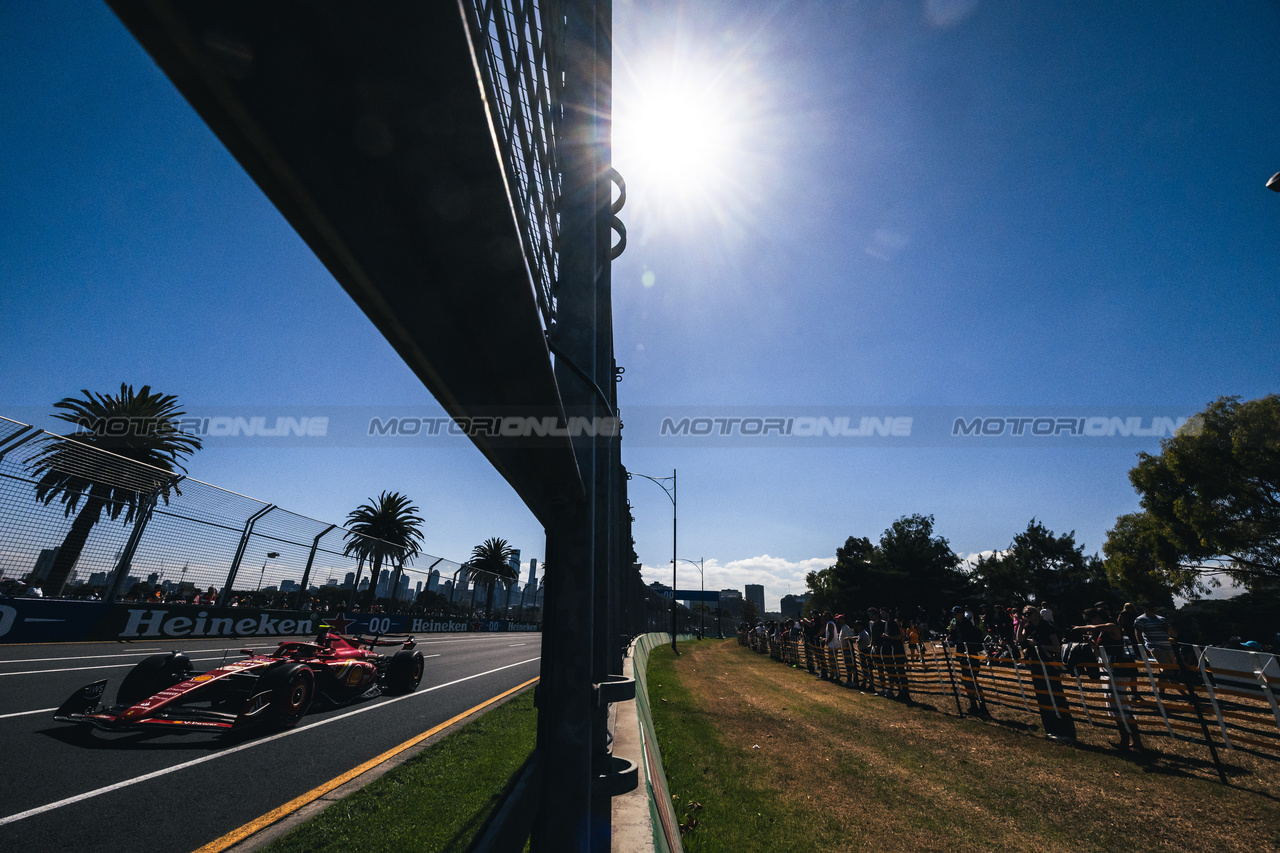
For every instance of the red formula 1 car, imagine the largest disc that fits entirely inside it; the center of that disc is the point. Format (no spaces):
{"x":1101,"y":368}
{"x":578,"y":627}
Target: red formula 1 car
{"x":276,"y":689}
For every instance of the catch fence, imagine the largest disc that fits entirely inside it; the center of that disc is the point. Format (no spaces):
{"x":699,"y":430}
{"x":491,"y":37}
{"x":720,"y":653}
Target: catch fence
{"x":1214,"y":697}
{"x":135,"y":529}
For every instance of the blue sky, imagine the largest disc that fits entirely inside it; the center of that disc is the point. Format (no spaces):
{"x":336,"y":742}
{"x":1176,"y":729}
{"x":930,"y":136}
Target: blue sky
{"x":915,"y":205}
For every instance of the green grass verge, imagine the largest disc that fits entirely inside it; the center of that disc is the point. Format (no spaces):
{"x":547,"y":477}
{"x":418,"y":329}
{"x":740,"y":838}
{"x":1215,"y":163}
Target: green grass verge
{"x":712,"y":788}
{"x":435,"y":801}
{"x":761,"y":757}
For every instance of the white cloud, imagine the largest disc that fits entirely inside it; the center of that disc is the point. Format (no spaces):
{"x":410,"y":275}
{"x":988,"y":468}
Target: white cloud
{"x":969,"y":561}
{"x":778,"y":575}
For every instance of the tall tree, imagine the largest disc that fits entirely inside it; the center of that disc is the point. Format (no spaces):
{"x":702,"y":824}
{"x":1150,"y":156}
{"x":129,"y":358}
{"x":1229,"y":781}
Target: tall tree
{"x":1042,"y":565}
{"x":388,"y":528}
{"x":910,"y":566}
{"x":1143,"y":563}
{"x":843,"y":587}
{"x":913,"y":566}
{"x":140,"y":426}
{"x":493,"y":558}
{"x":1210,"y":500}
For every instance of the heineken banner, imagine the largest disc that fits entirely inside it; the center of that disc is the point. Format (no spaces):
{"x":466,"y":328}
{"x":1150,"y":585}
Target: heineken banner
{"x":31,"y":620}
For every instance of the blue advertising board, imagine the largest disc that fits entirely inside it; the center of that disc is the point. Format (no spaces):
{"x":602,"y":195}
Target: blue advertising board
{"x":35,"y":620}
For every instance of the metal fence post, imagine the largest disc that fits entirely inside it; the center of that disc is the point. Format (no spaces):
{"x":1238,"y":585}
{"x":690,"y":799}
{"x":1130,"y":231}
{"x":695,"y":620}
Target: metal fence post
{"x":244,"y":543}
{"x":311,"y":558}
{"x":18,"y":439}
{"x":125,"y":563}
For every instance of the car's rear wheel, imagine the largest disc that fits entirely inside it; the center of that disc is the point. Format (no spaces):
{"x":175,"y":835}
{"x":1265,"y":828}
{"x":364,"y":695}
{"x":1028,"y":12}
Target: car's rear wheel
{"x":292,"y":689}
{"x":151,"y":676}
{"x":404,"y":672}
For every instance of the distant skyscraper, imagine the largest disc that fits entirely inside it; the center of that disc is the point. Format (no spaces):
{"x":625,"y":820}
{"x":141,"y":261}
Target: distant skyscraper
{"x":44,"y":562}
{"x":755,"y":594}
{"x":731,"y":603}
{"x":793,"y":605}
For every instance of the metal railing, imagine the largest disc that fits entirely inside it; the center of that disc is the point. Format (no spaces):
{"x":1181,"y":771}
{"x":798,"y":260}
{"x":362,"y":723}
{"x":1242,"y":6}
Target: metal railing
{"x":158,"y":529}
{"x":1213,"y":697}
{"x":518,"y":47}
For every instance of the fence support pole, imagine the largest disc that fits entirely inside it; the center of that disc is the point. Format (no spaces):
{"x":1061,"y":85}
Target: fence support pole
{"x":18,"y":439}
{"x":311,"y":558}
{"x":145,"y":508}
{"x":955,"y":691}
{"x":1195,"y":703}
{"x":244,"y":543}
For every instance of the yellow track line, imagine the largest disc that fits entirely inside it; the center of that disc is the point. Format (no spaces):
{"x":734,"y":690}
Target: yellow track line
{"x":237,"y":835}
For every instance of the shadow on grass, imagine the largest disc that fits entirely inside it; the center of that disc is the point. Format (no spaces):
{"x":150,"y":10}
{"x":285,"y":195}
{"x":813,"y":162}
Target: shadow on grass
{"x":460,"y":840}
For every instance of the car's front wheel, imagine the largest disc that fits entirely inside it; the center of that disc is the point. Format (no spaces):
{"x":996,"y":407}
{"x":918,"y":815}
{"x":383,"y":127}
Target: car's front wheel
{"x":404,"y":672}
{"x":292,"y":689}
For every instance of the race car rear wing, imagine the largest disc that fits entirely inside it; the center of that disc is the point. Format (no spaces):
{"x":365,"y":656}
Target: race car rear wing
{"x":405,"y":640}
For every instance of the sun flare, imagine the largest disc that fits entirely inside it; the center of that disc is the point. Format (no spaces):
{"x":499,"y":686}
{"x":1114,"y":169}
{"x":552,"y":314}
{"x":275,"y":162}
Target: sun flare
{"x":677,"y":138}
{"x":686,"y":140}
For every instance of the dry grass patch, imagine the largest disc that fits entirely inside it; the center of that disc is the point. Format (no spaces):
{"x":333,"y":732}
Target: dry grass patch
{"x":842,"y":770}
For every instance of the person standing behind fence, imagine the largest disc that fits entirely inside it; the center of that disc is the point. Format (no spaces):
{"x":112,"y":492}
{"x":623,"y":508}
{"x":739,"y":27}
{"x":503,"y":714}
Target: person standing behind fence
{"x":1109,"y":639}
{"x":865,"y":644}
{"x":912,"y":635}
{"x":894,"y":649}
{"x":1042,"y":645}
{"x":875,"y":626}
{"x":1153,"y":633}
{"x":830,"y":646}
{"x":810,"y":629}
{"x":1128,"y":615}
{"x":847,"y":637}
{"x":968,"y":643}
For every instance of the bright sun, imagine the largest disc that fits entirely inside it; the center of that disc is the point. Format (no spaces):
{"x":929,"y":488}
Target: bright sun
{"x":678,"y":138}
{"x":678,"y":132}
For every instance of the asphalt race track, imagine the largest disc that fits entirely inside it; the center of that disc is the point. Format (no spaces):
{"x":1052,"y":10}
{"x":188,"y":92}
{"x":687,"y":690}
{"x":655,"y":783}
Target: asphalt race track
{"x":69,"y":788}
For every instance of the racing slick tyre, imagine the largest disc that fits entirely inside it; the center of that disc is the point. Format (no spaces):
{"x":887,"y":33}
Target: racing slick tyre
{"x":151,"y":676}
{"x":404,"y":672}
{"x":292,"y":689}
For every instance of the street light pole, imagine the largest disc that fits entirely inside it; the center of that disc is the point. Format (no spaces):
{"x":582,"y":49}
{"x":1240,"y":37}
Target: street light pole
{"x":702,"y":613}
{"x":271,"y":555}
{"x":671,"y":495}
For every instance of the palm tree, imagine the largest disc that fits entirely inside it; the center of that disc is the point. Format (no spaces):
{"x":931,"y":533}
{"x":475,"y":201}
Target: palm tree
{"x":493,"y":558}
{"x":141,"y":427}
{"x":386,"y":528}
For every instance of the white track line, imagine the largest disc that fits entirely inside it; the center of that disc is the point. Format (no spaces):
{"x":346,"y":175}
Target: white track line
{"x":103,"y":666}
{"x":134,"y":654}
{"x":82,"y":657}
{"x":87,"y":795}
{"x":25,"y":713}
